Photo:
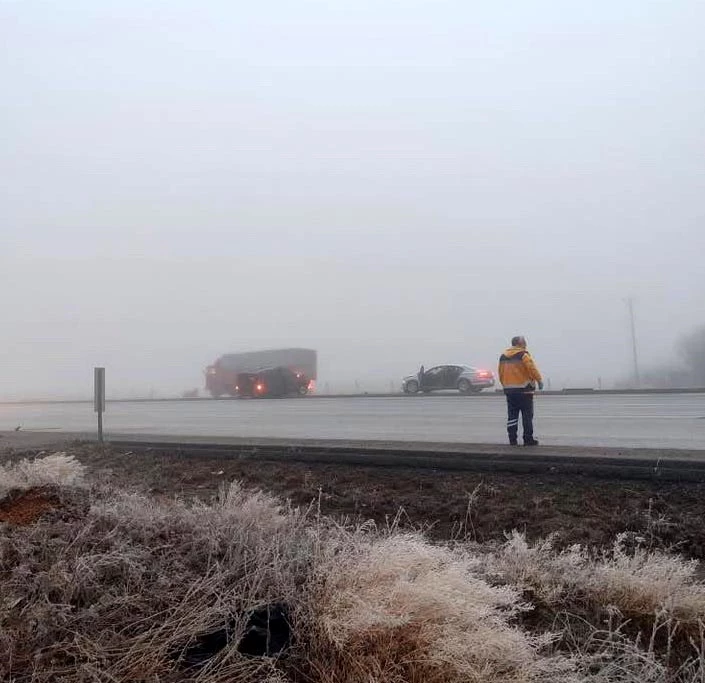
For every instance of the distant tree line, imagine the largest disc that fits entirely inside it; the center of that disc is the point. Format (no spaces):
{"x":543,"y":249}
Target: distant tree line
{"x":688,"y":371}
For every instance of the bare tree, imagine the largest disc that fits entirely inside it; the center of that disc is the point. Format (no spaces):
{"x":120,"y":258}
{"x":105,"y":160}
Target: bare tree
{"x":691,"y":349}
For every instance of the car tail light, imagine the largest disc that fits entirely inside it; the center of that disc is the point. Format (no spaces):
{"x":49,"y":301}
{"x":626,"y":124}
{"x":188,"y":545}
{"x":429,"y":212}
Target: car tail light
{"x":259,"y":387}
{"x":312,"y":385}
{"x":484,"y":373}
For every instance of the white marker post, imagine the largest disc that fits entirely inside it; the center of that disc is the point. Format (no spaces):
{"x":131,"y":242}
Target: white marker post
{"x":99,"y":398}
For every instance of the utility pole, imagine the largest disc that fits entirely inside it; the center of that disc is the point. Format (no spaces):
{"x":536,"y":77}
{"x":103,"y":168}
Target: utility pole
{"x":630,"y":304}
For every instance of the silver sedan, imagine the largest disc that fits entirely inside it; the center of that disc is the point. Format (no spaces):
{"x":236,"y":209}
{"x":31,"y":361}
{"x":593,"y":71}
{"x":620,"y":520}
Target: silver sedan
{"x":463,"y":378}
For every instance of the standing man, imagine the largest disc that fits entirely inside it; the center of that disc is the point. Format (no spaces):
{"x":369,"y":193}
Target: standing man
{"x":519,"y":377}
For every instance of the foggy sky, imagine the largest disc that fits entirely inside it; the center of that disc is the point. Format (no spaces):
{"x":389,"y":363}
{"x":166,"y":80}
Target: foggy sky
{"x":389,"y":182}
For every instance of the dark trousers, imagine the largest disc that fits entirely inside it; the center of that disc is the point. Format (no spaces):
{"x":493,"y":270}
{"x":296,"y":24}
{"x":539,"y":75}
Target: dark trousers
{"x":520,"y":402}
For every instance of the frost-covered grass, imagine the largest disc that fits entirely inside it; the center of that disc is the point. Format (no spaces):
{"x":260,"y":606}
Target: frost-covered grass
{"x":119,"y":592}
{"x":58,"y":468}
{"x":637,"y":583}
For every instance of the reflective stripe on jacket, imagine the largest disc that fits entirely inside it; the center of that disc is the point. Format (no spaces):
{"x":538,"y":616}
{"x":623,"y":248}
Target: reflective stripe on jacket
{"x":517,"y":370}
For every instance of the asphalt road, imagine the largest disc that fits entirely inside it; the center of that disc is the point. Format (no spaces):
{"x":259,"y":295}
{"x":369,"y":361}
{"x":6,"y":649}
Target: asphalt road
{"x":632,"y":421}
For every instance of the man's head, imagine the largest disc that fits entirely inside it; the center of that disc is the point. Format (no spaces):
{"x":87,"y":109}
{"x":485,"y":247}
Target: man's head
{"x":519,"y":341}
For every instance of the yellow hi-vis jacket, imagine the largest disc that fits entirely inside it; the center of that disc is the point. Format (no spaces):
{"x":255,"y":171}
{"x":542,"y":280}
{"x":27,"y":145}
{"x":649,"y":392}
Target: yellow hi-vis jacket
{"x":517,"y":371}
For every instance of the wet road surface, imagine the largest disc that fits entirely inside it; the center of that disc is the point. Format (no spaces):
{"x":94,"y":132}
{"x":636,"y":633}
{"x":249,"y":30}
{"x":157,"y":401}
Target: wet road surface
{"x":618,"y":421}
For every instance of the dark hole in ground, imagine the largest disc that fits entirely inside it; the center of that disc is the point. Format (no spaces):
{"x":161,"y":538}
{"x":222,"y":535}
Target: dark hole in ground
{"x":267,"y":633}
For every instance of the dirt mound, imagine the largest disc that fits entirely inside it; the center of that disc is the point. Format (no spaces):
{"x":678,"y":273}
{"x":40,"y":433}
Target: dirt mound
{"x":22,"y":507}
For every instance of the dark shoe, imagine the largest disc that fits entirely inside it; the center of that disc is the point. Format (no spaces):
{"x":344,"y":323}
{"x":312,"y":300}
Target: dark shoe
{"x":531,"y":442}
{"x":513,"y":442}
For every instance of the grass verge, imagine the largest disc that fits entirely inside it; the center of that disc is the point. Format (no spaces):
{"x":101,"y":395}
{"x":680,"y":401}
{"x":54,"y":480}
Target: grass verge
{"x":103,"y":584}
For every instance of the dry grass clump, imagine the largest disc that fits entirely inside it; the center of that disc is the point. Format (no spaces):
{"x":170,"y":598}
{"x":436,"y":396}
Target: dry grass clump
{"x":638,"y":583}
{"x":627,"y":614}
{"x":120,"y":593}
{"x":61,"y":469}
{"x":398,"y":610}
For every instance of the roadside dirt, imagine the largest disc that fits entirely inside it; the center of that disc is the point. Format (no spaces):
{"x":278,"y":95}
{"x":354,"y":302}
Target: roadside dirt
{"x":482,"y":506}
{"x":26,"y":507}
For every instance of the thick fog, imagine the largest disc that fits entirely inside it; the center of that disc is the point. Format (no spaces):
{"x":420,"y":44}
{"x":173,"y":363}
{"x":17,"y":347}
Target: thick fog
{"x":389,"y":182}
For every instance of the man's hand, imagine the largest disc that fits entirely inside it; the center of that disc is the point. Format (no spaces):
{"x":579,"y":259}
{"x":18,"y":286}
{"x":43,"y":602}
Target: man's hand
{"x":540,"y":386}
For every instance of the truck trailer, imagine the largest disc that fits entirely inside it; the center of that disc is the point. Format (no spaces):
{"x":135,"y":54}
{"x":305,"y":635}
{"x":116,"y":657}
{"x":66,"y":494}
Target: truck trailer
{"x":222,"y":376}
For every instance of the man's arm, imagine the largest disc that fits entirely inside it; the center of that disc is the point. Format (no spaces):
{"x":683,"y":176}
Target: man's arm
{"x":531,"y":368}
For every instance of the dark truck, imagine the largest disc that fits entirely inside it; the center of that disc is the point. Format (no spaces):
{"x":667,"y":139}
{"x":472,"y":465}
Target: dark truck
{"x":272,"y":383}
{"x":222,"y":378}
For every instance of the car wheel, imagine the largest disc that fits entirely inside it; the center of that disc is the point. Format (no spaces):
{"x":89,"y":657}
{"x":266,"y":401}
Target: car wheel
{"x":464,"y":386}
{"x":412,"y":387}
{"x":303,"y":391}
